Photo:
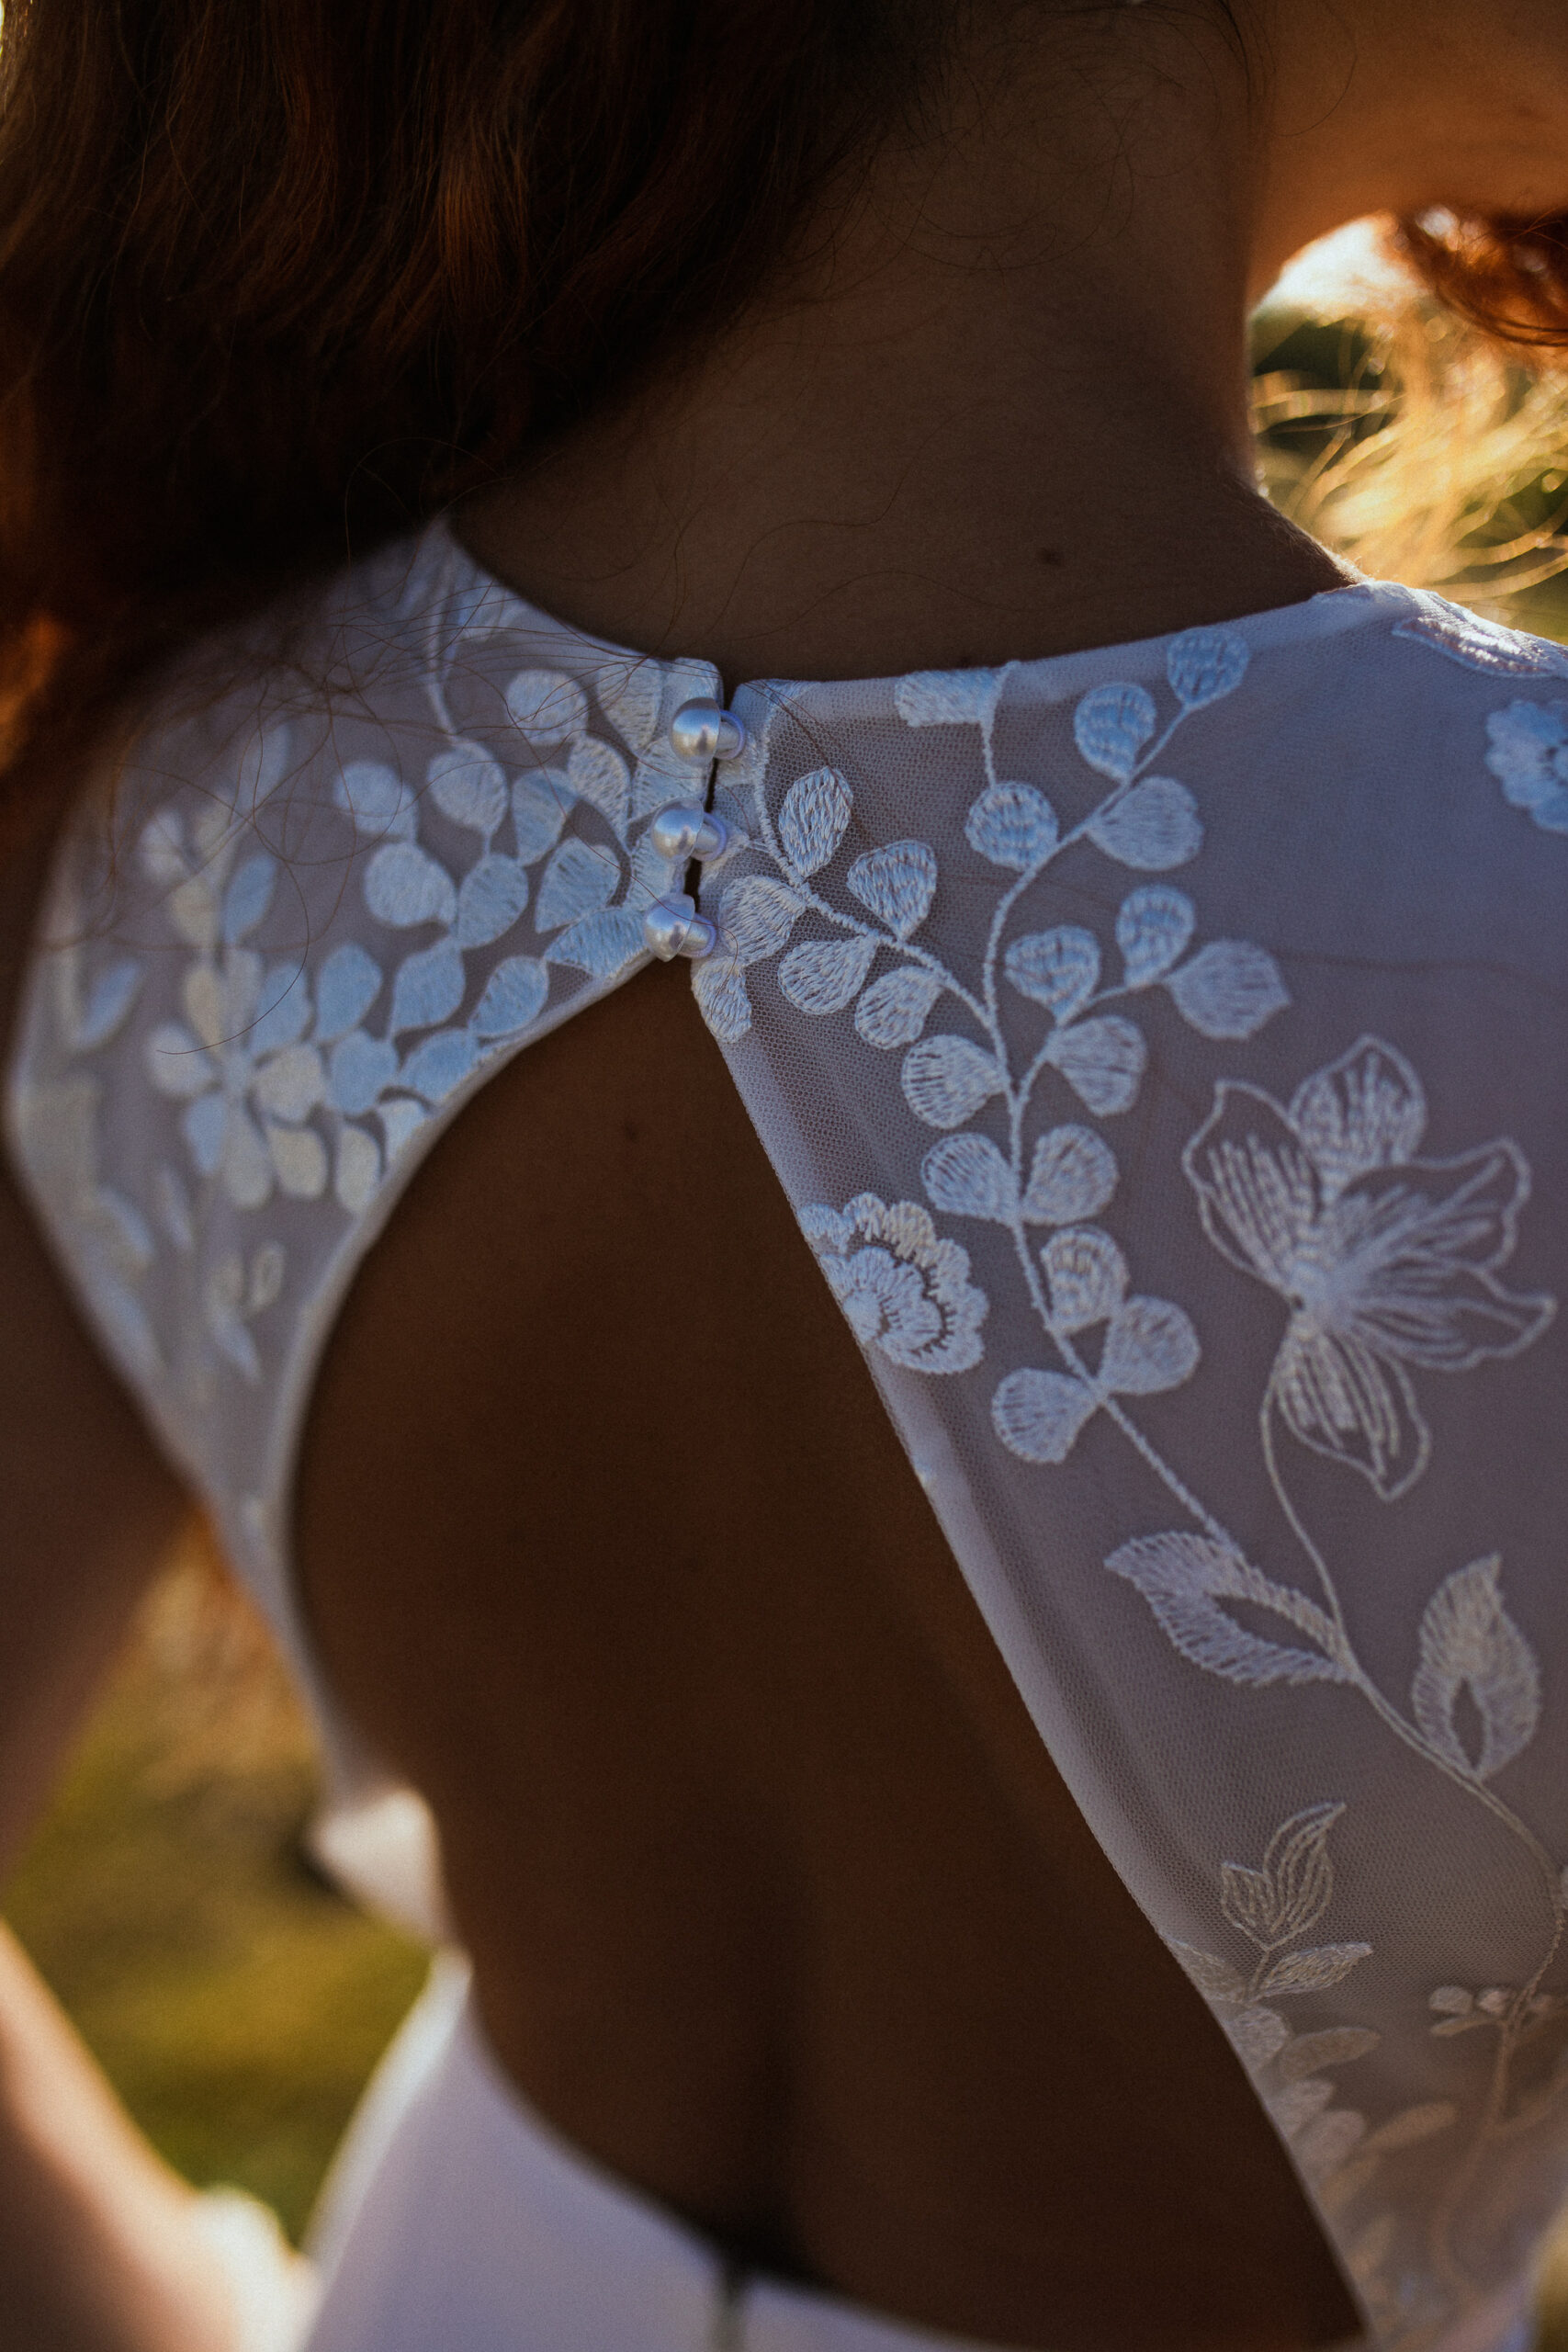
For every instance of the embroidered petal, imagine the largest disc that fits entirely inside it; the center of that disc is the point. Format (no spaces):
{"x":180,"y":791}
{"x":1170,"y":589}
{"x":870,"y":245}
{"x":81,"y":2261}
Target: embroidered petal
{"x":1336,"y":1398}
{"x":1365,"y":1111}
{"x":1257,"y":1188}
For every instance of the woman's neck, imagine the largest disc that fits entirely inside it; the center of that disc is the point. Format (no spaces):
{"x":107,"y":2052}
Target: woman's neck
{"x":1002,"y":412}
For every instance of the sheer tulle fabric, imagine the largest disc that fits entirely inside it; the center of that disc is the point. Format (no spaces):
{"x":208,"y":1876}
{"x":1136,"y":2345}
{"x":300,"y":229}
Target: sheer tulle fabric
{"x":1160,"y":1046}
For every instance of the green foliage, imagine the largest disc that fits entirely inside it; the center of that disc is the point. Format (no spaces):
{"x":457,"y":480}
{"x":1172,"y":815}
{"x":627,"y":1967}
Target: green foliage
{"x":235,"y":2001}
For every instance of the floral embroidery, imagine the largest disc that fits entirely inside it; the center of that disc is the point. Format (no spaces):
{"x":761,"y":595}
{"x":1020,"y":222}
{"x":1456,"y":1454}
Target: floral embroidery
{"x":1271,"y":1908}
{"x":1386,"y":1259}
{"x":901,"y":1288}
{"x":1386,"y":1262}
{"x":1530,"y":758}
{"x":1054,"y":1175}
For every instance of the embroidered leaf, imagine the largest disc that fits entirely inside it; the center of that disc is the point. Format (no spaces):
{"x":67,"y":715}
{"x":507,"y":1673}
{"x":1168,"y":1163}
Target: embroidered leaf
{"x":719,"y":987}
{"x":1152,"y":929}
{"x":1102,"y":1060}
{"x":1468,"y":1641}
{"x":1294,"y":2107}
{"x":1059,"y":969}
{"x":757,"y":916}
{"x":821,"y":975}
{"x":360,"y":1067}
{"x":580,"y":877}
{"x":896,"y":883}
{"x":1365,"y":1111}
{"x":1088,"y":1275}
{"x":1110,"y":726}
{"x":490,"y":897}
{"x":400,"y":1118}
{"x":1413,"y":2125}
{"x":109,"y":999}
{"x":1326,"y":2143}
{"x":1314,"y":1970}
{"x":547,"y":708}
{"x":1295,"y":1885}
{"x":1073,"y":1176}
{"x":1151,"y":1346}
{"x":1013,"y":825}
{"x":289,"y":1085}
{"x":966,"y":1176}
{"x":404,"y":886}
{"x":1257,"y":2034}
{"x":597,"y":773}
{"x":1039,"y":1414}
{"x":601,"y":945}
{"x":893,"y":1010}
{"x":1153,"y":827}
{"x":440,"y":1063}
{"x":1184,"y":1578}
{"x":1451,"y":2000}
{"x":1211,"y":1975}
{"x":376,"y":796}
{"x":358,"y":1171}
{"x":284,"y":999}
{"x":945,"y":1081}
{"x":426,"y":988}
{"x":248,"y":897}
{"x":948,"y":697}
{"x":1204,"y":663}
{"x":813,"y":819}
{"x":468,"y":785}
{"x":1229,"y":989}
{"x":539,"y":807}
{"x":347,"y":986}
{"x":514,"y":995}
{"x":1335,"y":2047}
{"x":299,"y":1160}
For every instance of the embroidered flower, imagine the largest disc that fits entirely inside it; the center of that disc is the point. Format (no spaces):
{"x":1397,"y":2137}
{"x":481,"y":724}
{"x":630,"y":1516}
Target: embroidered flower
{"x":1387,"y":1261}
{"x":1530,"y":759}
{"x":248,"y":1082}
{"x":903,"y":1290}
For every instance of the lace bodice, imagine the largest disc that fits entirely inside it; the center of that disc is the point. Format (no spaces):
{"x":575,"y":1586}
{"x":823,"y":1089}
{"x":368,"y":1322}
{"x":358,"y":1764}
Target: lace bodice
{"x":1161,"y":1046}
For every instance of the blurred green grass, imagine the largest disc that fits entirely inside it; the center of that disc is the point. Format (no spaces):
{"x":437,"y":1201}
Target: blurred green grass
{"x":236,"y":2002}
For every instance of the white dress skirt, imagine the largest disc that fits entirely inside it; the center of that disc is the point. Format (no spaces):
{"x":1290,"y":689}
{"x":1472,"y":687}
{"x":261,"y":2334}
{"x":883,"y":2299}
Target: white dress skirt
{"x":452,"y":2196}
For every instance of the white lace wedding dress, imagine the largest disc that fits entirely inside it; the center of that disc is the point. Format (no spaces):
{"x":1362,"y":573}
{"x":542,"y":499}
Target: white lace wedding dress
{"x":1164,"y":1048}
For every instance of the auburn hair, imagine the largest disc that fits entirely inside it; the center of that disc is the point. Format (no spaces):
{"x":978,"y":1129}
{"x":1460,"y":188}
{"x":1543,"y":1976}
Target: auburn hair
{"x":281,"y":277}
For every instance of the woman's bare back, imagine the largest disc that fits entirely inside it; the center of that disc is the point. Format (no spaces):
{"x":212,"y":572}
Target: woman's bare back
{"x":776,"y":1904}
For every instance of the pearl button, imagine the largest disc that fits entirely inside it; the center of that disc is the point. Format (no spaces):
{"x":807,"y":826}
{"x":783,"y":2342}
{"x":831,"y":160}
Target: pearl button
{"x":684,"y":832}
{"x":701,"y":731}
{"x":672,"y":927}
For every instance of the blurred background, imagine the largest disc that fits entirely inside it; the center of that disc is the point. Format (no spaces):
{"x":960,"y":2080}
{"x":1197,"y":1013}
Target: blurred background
{"x":237,"y":2001}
